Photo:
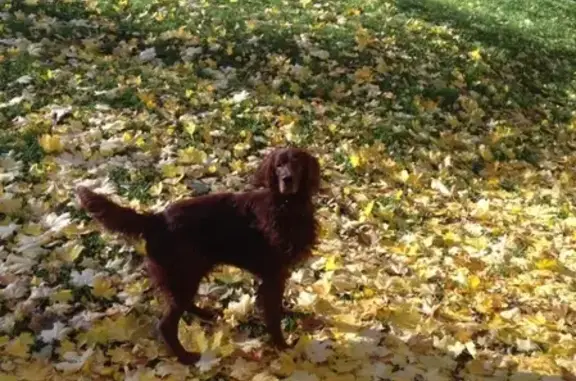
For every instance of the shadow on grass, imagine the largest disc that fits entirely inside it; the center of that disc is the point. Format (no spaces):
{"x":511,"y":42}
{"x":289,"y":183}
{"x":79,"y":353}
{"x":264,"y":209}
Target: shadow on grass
{"x":491,"y":25}
{"x":530,"y":75}
{"x":543,"y":64}
{"x":518,"y":81}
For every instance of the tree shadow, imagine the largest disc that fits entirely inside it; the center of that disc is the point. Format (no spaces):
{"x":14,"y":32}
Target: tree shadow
{"x":541,"y":67}
{"x":416,"y":62}
{"x":493,"y":30}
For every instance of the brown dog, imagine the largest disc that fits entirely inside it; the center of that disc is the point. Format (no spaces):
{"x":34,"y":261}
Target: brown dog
{"x":265,"y":232}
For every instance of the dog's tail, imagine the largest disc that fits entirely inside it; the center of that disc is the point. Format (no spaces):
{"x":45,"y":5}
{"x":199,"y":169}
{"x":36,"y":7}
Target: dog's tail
{"x":116,"y":218}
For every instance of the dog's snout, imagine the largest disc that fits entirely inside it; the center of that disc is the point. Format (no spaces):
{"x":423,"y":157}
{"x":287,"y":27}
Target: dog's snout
{"x":287,"y":178}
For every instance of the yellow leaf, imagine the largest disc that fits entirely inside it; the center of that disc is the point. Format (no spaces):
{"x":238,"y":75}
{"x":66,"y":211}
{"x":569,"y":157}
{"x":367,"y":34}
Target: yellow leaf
{"x":547,"y":264}
{"x":50,"y":143}
{"x":34,"y":372}
{"x":285,"y":365}
{"x":172,"y":171}
{"x":148,"y":99}
{"x":251,"y":24}
{"x":368,"y":209}
{"x":72,"y":253}
{"x":227,"y":349}
{"x":473,"y":282}
{"x":140,"y":142}
{"x":362,"y":38}
{"x":212,"y":169}
{"x":353,"y":11}
{"x":403,"y":176}
{"x":122,"y":328}
{"x":192,"y":155}
{"x":20,"y":346}
{"x":62,"y":296}
{"x":452,"y":121}
{"x":217,"y":339}
{"x":346,"y":365}
{"x":190,"y":128}
{"x":120,"y":355}
{"x":102,"y":287}
{"x":33,"y":229}
{"x":475,"y":55}
{"x":127,"y":137}
{"x":486,"y":153}
{"x":237,"y":166}
{"x":369,"y":293}
{"x":363,"y":74}
{"x":429,"y":105}
{"x":450,"y":238}
{"x":240,"y":149}
{"x":486,"y":304}
{"x":538,"y":319}
{"x":156,"y":189}
{"x":136,"y":288}
{"x":354,"y":160}
{"x":228,"y":275}
{"x":455,"y":315}
{"x":331,"y":263}
{"x":406,"y":317}
{"x":463,"y":335}
{"x":381,"y":66}
{"x":201,"y":341}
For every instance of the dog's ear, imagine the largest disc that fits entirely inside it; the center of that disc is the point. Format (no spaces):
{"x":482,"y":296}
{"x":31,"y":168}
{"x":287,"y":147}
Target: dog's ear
{"x":312,"y":174}
{"x":265,"y":175}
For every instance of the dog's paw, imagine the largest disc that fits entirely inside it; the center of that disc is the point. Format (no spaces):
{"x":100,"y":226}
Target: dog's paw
{"x":188,"y":358}
{"x":281,"y":344}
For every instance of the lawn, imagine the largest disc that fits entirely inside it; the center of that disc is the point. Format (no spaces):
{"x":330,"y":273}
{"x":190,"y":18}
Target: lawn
{"x":446,"y":130}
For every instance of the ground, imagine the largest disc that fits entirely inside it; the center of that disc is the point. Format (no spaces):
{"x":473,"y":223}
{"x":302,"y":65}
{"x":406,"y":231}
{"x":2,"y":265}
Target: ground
{"x":445,"y":129}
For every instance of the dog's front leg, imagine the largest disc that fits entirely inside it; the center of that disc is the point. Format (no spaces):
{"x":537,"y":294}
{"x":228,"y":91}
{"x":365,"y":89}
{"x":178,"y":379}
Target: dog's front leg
{"x":271,"y":294}
{"x":260,"y":305}
{"x":168,"y":328}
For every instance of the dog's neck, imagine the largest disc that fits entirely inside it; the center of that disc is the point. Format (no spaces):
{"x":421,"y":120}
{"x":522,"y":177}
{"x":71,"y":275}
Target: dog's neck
{"x":297,"y":200}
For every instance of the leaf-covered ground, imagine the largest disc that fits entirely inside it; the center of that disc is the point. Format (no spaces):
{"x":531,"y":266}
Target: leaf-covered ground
{"x":446,"y":131}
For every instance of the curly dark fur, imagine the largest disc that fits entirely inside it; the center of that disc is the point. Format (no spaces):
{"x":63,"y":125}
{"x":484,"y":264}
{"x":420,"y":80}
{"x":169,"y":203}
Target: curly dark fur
{"x":266,"y":232}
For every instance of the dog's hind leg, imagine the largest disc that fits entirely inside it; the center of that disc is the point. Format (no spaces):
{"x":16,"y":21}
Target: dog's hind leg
{"x":181,"y":288}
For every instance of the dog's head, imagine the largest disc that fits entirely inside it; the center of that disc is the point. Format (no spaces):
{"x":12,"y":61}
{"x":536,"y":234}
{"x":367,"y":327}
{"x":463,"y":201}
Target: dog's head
{"x":289,"y":171}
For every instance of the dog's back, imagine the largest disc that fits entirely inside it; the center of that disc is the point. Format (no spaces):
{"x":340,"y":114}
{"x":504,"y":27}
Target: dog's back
{"x":222,"y":228}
